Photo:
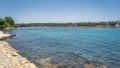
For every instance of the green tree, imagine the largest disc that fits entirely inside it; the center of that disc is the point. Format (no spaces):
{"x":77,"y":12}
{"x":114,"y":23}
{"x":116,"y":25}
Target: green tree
{"x":3,"y":23}
{"x":10,"y":21}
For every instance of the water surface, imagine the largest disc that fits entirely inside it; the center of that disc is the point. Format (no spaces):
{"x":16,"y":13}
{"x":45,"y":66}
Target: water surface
{"x":69,"y":44}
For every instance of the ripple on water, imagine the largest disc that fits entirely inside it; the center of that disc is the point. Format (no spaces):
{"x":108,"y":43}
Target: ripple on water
{"x":64,"y":47}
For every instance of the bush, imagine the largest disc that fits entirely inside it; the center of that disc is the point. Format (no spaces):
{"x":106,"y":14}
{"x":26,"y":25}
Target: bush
{"x":10,"y":21}
{"x":3,"y":23}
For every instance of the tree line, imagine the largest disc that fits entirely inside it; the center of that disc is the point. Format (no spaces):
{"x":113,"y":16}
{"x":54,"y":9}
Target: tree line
{"x":86,"y":24}
{"x":7,"y":22}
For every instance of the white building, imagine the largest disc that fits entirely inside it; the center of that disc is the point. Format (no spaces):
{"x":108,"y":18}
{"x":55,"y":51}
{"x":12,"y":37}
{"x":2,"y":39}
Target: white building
{"x":117,"y":25}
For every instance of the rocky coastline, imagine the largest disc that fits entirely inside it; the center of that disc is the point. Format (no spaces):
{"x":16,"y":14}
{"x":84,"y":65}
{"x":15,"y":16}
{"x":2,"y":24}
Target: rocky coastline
{"x":9,"y":57}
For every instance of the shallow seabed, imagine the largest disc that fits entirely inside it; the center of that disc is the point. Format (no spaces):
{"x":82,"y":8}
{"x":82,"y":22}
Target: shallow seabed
{"x":68,"y":47}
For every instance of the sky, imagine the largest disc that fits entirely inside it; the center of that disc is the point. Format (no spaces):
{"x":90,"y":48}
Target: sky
{"x":60,"y":11}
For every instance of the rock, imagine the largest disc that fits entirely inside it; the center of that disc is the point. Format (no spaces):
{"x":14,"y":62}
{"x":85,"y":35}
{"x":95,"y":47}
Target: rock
{"x":24,"y":61}
{"x":4,"y":36}
{"x":9,"y":58}
{"x":1,"y":66}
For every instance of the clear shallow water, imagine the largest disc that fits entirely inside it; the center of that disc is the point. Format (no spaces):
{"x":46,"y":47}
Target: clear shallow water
{"x":69,"y":44}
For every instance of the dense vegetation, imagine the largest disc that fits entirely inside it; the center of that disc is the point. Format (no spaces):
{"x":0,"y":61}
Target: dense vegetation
{"x":86,"y":24}
{"x":7,"y":22}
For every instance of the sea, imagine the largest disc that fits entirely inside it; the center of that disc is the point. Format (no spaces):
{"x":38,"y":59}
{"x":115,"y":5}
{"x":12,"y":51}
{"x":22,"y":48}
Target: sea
{"x":66,"y":46}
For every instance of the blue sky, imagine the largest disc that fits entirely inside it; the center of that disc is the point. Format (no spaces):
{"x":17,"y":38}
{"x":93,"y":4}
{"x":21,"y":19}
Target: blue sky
{"x":34,"y":11}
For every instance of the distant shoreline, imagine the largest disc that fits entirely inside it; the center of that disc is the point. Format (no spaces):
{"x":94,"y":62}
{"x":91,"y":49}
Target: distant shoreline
{"x":68,"y":27}
{"x":81,"y":24}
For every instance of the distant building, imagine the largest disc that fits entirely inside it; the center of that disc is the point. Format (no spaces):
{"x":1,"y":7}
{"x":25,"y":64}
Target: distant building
{"x":117,"y":25}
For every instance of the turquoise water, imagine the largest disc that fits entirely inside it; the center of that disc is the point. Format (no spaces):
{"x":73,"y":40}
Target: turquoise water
{"x":68,"y":44}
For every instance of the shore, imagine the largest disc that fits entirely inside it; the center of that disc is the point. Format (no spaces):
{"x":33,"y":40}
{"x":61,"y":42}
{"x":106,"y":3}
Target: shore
{"x":9,"y":58}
